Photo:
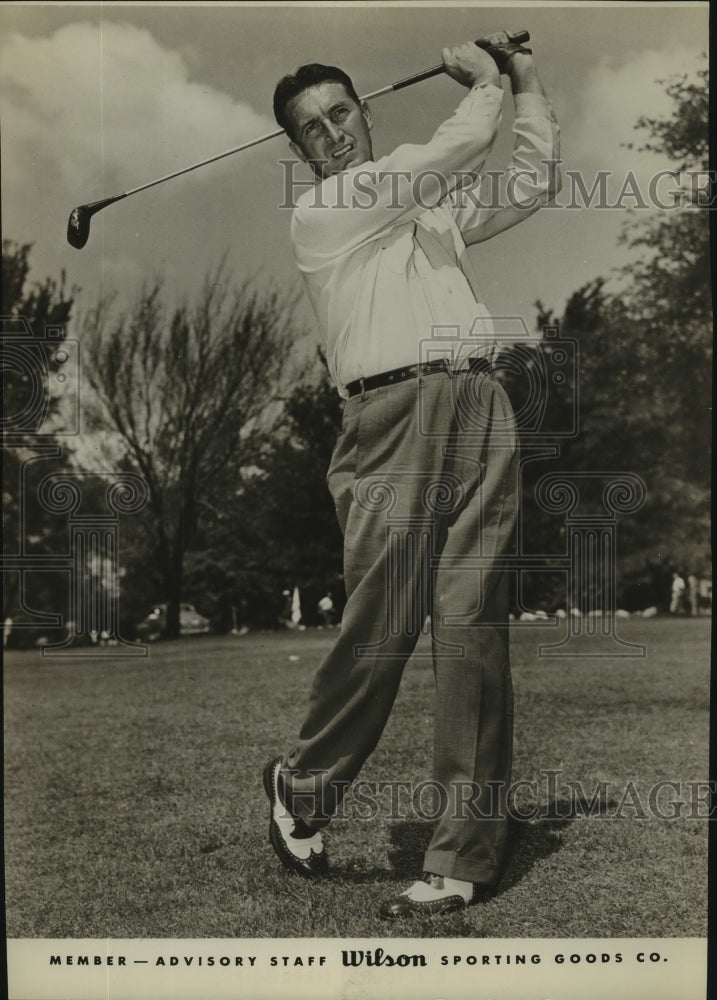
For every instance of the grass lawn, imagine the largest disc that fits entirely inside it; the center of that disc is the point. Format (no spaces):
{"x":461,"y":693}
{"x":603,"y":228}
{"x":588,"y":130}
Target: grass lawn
{"x":134,"y":805}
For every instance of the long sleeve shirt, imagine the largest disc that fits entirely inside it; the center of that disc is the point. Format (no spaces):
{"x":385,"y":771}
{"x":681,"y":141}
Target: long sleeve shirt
{"x":382,"y":246}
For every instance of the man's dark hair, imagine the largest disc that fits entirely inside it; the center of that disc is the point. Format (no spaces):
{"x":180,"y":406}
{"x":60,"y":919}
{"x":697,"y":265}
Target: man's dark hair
{"x":307,"y":76}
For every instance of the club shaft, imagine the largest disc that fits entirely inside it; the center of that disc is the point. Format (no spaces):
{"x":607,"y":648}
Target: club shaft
{"x":521,"y":36}
{"x":518,"y":37}
{"x":203,"y":163}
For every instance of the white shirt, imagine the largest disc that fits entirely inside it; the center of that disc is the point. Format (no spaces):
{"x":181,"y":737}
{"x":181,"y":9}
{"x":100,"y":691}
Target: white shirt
{"x":382,"y":246}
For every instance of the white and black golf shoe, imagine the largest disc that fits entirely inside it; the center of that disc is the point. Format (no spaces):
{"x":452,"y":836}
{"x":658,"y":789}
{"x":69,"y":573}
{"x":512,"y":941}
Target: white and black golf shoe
{"x":305,"y":855}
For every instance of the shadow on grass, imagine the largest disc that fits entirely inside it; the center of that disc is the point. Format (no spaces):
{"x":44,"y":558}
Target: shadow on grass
{"x":529,"y":842}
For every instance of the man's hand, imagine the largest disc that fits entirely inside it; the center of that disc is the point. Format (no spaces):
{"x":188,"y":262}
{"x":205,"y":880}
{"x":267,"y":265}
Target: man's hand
{"x":516,"y":61}
{"x":504,"y":52}
{"x":470,"y":65}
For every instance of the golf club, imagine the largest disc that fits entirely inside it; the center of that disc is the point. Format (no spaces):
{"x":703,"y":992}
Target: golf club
{"x":78,"y":226}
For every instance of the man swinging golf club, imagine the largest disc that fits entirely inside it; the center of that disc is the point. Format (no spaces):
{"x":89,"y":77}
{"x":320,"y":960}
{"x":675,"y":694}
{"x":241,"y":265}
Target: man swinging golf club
{"x":424,"y":474}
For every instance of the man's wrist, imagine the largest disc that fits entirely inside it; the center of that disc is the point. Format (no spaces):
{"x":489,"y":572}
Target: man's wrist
{"x":524,"y":75}
{"x":483,"y":79}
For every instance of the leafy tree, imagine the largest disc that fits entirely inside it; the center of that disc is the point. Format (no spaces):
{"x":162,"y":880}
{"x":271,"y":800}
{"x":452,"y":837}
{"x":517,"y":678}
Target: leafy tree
{"x":669,"y":295}
{"x":305,"y":543}
{"x":282,"y":531}
{"x":27,"y":311}
{"x":683,"y":136}
{"x":190,"y":394}
{"x":668,"y":302}
{"x":31,"y":419}
{"x":645,"y":371}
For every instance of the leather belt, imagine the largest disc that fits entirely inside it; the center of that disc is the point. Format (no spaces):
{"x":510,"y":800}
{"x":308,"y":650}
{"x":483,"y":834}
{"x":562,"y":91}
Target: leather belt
{"x":414,"y":371}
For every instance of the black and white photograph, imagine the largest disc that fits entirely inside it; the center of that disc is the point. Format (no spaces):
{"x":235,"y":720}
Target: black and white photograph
{"x":357,"y":578}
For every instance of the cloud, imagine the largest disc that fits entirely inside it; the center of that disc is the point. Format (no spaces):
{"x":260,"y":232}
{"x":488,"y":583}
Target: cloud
{"x":612,"y":98}
{"x":94,"y":107}
{"x":89,"y":112}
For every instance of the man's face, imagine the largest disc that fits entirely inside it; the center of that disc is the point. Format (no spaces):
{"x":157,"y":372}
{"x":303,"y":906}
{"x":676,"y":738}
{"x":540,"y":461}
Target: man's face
{"x":331,"y":131}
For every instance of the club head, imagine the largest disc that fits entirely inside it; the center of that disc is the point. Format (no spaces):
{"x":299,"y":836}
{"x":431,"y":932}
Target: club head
{"x":78,"y":225}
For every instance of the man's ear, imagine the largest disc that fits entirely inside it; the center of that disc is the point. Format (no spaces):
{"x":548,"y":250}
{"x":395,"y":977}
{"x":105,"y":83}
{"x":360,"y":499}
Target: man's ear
{"x":366,"y":112}
{"x":297,"y":151}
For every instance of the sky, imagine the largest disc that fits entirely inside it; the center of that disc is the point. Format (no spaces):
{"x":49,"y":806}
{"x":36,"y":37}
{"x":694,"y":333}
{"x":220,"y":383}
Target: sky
{"x":96,"y":99}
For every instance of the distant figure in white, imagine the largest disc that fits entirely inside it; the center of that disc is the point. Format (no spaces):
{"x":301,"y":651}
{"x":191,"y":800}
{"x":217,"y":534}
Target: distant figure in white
{"x":292,"y":609}
{"x":327,"y":610}
{"x":677,"y":593}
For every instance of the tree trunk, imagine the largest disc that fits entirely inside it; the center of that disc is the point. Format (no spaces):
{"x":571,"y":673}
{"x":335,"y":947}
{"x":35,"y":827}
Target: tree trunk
{"x":174,"y":590}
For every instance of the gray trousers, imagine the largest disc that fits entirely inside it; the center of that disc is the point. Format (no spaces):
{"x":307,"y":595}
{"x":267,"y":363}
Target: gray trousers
{"x":424,"y":477}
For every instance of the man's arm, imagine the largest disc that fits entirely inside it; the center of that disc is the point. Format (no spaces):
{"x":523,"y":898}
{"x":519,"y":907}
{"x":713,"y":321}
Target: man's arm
{"x":357,"y":205}
{"x":533,"y":176}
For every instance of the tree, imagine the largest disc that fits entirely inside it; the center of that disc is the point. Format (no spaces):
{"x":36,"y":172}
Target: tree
{"x":27,"y":311}
{"x":668,"y":305}
{"x":645,"y":371}
{"x":669,"y":295}
{"x":191,"y":395}
{"x":303,"y":541}
{"x":31,"y":420}
{"x":282,"y":529}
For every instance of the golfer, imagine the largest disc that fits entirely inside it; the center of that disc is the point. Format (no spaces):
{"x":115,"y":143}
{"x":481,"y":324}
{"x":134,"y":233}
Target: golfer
{"x":424,"y":473}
